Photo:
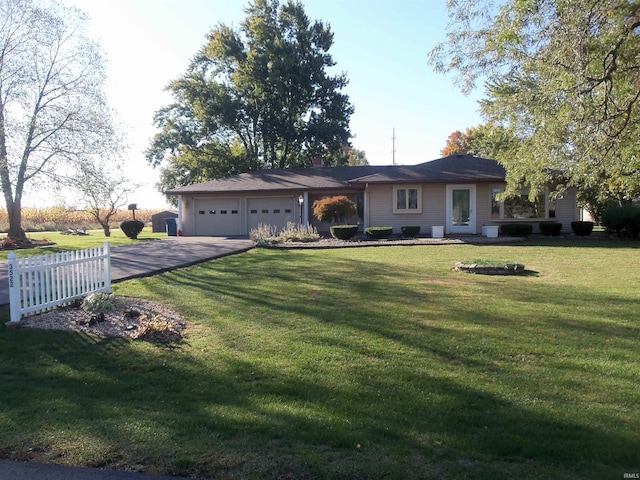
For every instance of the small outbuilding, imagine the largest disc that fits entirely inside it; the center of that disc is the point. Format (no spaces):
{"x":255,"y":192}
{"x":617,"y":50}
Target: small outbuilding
{"x":158,"y":223}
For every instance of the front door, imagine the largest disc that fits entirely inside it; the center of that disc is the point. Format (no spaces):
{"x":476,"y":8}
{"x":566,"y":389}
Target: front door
{"x":461,"y":209}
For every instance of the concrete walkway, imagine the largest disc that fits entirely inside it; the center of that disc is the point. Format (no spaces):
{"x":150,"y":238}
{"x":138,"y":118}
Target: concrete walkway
{"x":151,"y":257}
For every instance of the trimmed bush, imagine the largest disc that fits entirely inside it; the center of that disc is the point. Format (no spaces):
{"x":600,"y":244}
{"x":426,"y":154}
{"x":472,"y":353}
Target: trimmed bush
{"x":132,"y":228}
{"x":582,"y":229}
{"x":516,"y":229}
{"x":344,"y":232}
{"x":550,"y":229}
{"x":410,"y":232}
{"x":378,"y":233}
{"x":625,"y":221}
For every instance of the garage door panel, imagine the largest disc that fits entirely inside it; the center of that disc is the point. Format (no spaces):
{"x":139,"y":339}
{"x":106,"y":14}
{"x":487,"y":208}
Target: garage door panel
{"x":218,"y":217}
{"x":276,"y":211}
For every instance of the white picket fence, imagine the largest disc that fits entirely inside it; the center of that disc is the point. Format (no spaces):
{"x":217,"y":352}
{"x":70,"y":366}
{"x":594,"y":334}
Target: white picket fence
{"x":42,"y":282}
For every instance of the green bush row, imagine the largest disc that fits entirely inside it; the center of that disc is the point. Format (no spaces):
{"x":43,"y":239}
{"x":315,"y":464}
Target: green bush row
{"x":550,"y":229}
{"x":346,"y":232}
{"x":581,"y":228}
{"x":623,"y":221}
{"x":516,"y":229}
{"x":378,"y":233}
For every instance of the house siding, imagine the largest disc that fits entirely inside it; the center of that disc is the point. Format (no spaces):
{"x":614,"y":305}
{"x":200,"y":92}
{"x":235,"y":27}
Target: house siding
{"x":433,"y":208}
{"x":567,"y":209}
{"x":381,"y":208}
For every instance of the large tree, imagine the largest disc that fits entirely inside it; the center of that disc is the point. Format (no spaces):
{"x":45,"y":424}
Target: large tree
{"x":485,"y":140}
{"x":52,"y":112}
{"x":564,"y":78}
{"x":260,"y":97}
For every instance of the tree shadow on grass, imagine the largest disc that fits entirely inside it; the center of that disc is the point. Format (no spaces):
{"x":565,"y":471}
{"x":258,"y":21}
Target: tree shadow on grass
{"x":338,"y":370}
{"x":139,"y":407}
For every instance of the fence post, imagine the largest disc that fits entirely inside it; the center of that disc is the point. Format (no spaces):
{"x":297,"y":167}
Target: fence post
{"x":14,"y":290}
{"x":107,"y":267}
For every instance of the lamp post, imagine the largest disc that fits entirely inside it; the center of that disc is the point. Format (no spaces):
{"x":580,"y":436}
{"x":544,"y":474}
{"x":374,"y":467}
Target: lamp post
{"x":301,"y":203}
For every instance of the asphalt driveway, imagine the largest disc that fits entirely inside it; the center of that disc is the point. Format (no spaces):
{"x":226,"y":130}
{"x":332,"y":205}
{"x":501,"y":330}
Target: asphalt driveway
{"x":151,"y":257}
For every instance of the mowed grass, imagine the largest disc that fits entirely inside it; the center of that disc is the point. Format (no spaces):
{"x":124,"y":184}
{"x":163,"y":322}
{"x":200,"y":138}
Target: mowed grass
{"x":376,"y":363}
{"x":96,"y":238}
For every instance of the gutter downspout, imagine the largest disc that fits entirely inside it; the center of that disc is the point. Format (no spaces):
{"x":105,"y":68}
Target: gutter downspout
{"x":180,"y":213}
{"x":365,"y":220}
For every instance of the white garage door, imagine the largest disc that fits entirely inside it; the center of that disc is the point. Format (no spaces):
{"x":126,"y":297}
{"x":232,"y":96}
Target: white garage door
{"x":217,"y":217}
{"x":271,"y":211}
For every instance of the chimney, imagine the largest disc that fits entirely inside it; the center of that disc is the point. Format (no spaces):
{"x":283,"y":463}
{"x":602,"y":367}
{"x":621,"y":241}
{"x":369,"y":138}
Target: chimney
{"x":317,"y":162}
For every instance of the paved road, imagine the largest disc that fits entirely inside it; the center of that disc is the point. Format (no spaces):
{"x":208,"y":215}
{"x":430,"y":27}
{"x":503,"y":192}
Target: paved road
{"x":151,"y":257}
{"x":129,"y":261}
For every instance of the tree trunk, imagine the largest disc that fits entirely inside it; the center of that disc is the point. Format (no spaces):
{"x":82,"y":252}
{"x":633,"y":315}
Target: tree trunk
{"x":14,"y":211}
{"x":104,"y":224}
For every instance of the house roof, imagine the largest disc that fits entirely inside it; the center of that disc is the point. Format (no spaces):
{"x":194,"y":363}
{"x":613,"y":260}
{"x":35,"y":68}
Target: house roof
{"x":452,"y":169}
{"x":326,"y":178}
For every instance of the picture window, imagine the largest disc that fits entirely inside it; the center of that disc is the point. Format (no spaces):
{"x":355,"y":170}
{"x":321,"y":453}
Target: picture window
{"x":520,"y":207}
{"x":407,"y":199}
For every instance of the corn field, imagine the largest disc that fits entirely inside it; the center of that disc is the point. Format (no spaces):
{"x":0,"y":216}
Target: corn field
{"x":55,"y":219}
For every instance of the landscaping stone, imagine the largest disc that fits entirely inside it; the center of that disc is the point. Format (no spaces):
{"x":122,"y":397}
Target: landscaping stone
{"x":507,"y":269}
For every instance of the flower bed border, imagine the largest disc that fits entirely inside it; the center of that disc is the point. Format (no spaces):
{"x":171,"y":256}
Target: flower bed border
{"x":507,"y":269}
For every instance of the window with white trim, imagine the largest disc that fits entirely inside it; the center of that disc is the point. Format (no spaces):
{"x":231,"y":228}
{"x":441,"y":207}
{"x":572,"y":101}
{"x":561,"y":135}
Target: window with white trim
{"x":407,"y":199}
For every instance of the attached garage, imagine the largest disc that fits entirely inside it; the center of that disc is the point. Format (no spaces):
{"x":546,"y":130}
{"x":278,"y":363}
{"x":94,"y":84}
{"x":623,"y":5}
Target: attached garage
{"x":217,"y":217}
{"x":271,"y":211}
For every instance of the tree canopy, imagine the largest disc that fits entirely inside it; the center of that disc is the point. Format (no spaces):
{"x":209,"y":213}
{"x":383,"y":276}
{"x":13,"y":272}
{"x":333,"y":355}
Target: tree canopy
{"x":482,"y":141}
{"x":260,"y":97}
{"x":53,"y":115}
{"x":563,"y":77}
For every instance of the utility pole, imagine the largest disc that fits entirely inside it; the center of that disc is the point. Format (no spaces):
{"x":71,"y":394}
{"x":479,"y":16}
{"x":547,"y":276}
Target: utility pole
{"x":393,"y":150}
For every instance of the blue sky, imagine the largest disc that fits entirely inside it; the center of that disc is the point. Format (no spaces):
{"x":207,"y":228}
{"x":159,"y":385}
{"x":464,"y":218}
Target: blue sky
{"x":382,"y":46}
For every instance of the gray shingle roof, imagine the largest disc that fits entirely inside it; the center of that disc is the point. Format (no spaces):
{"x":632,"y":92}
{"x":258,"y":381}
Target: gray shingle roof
{"x":451,"y":169}
{"x":455,"y":168}
{"x":327,"y":178}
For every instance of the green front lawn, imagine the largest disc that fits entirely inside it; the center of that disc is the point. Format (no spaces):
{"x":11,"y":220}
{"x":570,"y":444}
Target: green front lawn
{"x":96,"y":238}
{"x":351,"y":364}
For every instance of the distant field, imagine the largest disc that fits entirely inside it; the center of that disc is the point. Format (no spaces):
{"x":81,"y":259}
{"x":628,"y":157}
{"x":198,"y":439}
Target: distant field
{"x":58,"y":218}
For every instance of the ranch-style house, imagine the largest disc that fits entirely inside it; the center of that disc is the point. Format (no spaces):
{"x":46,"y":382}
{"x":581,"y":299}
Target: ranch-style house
{"x":456,"y":195}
